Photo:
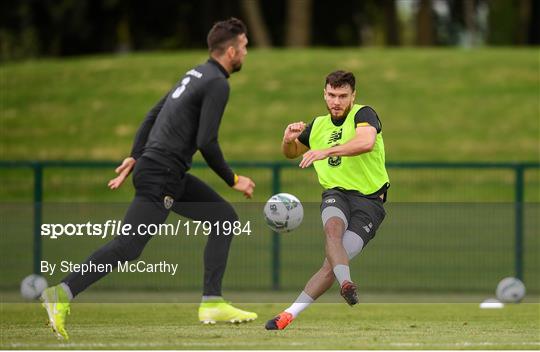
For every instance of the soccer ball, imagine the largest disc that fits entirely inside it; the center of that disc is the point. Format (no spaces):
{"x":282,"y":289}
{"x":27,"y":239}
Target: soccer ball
{"x":283,"y":212}
{"x":510,"y":290}
{"x":32,"y":286}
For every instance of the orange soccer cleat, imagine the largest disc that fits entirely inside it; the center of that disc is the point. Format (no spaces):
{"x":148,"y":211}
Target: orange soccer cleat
{"x":348,"y":292}
{"x":280,"y":322}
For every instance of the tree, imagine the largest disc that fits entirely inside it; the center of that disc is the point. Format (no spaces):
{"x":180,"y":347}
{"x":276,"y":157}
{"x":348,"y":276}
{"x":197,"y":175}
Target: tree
{"x":525,"y":7}
{"x":469,"y":16}
{"x":255,"y":23}
{"x":534,"y":33}
{"x":503,"y":22}
{"x":298,"y":23}
{"x":425,"y":33}
{"x":123,"y":29}
{"x":391,"y":23}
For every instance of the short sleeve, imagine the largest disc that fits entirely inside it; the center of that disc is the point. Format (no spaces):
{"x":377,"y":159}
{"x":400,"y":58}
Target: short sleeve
{"x":304,"y":136}
{"x":367,"y":116}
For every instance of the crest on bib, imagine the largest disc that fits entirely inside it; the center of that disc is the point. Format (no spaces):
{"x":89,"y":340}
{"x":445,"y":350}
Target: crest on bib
{"x":168,"y":202}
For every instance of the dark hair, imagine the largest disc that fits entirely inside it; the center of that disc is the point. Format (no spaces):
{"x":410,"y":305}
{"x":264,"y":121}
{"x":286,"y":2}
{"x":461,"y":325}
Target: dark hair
{"x":340,"y":78}
{"x":223,"y":32}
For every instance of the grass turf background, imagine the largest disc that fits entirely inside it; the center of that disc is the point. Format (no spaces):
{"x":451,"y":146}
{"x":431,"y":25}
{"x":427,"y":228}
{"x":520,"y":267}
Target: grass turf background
{"x":435,"y":105}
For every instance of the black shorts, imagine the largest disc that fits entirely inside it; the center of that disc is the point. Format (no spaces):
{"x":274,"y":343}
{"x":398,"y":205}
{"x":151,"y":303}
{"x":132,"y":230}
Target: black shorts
{"x":361,"y":215}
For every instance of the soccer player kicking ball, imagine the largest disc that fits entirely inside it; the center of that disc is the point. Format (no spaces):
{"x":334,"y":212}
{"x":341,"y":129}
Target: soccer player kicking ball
{"x":347,"y":150}
{"x":185,"y":120}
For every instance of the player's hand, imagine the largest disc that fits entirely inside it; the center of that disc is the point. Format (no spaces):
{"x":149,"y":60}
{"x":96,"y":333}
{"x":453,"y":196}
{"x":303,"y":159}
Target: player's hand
{"x":312,"y":156}
{"x":293,"y":131}
{"x":245,"y":185}
{"x":123,"y":171}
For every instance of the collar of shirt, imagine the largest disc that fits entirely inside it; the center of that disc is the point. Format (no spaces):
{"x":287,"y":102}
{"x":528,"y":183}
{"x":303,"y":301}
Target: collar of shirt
{"x":338,"y":122}
{"x":221,"y":68}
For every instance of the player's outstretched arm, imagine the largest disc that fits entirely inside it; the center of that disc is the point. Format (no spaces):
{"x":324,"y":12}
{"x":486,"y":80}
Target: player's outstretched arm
{"x":123,"y":172}
{"x":363,"y":142}
{"x":245,"y":185}
{"x":291,"y":146}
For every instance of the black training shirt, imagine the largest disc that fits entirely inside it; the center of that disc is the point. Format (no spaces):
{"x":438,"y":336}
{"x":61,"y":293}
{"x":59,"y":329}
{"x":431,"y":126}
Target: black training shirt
{"x":187,"y":119}
{"x":365,"y":114}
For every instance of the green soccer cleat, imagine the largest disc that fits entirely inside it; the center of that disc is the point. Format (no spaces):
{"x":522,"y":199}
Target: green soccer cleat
{"x":56,"y":303}
{"x":218,"y":310}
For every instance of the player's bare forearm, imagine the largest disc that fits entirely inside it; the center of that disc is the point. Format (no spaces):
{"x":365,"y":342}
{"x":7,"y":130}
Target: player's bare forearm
{"x":290,"y":145}
{"x":290,"y":149}
{"x":351,"y":148}
{"x":362,"y":143}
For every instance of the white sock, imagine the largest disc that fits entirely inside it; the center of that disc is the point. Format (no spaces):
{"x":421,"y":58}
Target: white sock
{"x":208,"y":298}
{"x":302,"y":302}
{"x":67,"y":290}
{"x":342,"y":273}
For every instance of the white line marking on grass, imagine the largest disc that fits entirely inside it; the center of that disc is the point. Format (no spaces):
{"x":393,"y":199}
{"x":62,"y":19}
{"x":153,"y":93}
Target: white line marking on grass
{"x":133,"y":344}
{"x":462,"y":344}
{"x":252,"y":344}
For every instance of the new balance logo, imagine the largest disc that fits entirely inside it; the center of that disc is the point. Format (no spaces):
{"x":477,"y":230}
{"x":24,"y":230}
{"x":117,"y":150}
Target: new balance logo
{"x":335,"y":136}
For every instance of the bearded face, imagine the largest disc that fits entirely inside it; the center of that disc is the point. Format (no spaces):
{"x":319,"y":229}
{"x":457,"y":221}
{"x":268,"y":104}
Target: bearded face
{"x":240,"y":52}
{"x":339,"y":100}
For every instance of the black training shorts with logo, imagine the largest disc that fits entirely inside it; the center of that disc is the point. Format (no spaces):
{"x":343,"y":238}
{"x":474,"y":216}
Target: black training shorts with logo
{"x":362,"y":215}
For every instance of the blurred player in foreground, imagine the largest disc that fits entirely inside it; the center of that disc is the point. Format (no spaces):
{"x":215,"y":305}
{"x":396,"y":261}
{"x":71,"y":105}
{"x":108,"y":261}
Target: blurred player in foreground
{"x":347,"y":150}
{"x":185,"y":120}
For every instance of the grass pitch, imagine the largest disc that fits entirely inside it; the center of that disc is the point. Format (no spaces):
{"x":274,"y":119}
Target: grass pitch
{"x":322,"y":326}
